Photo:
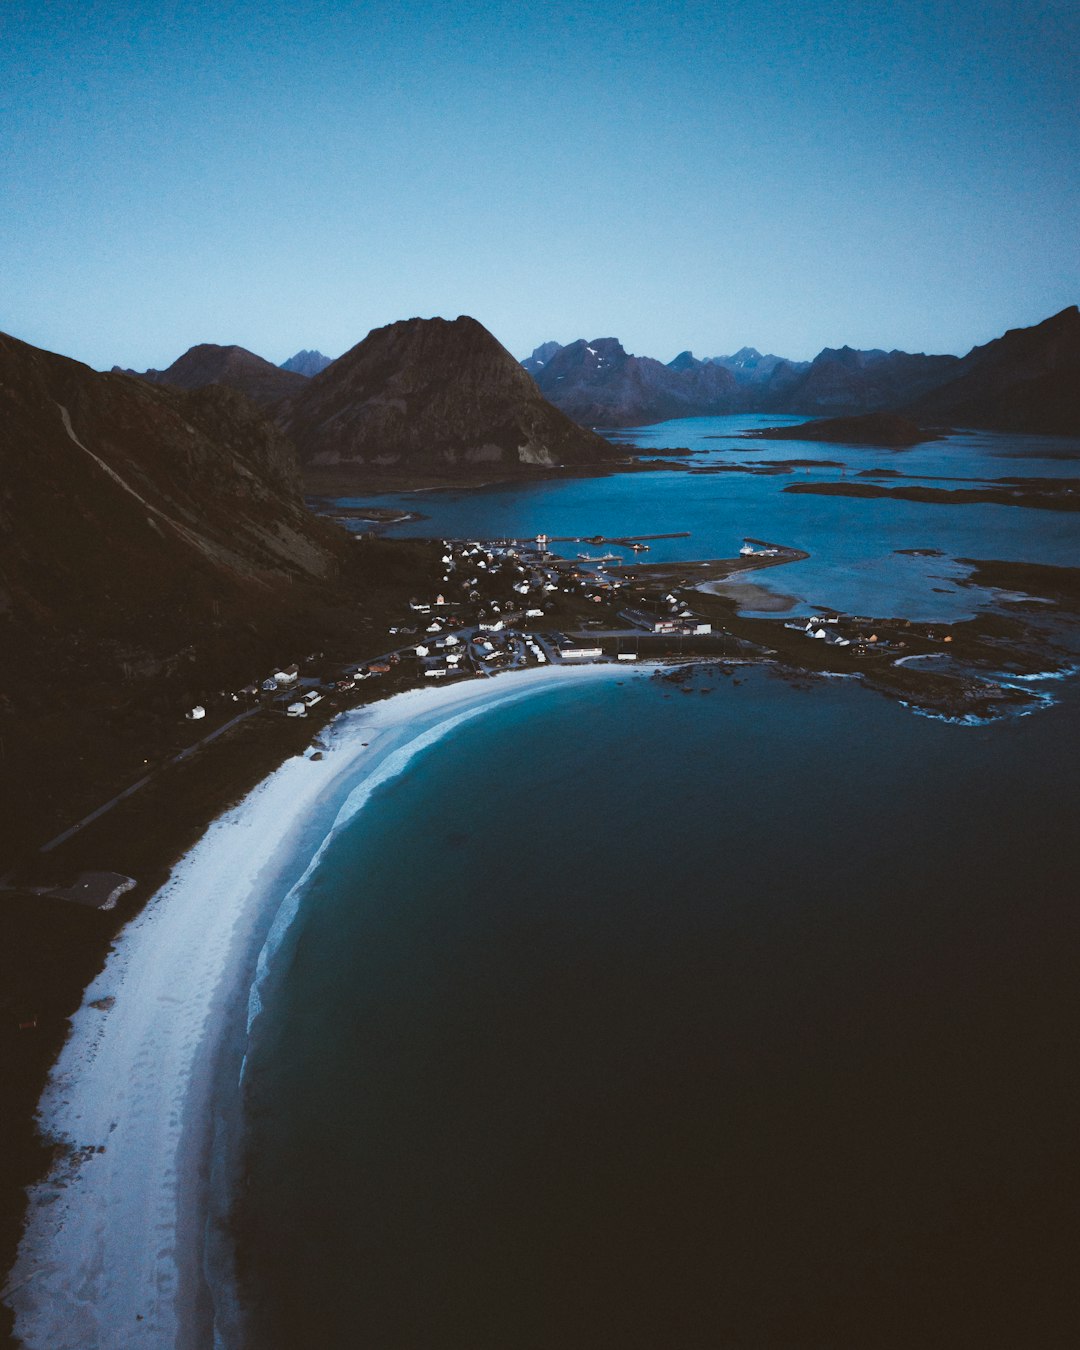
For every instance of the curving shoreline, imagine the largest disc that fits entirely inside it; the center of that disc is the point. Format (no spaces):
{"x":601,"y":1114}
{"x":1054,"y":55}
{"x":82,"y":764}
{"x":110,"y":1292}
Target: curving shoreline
{"x":114,"y":1248}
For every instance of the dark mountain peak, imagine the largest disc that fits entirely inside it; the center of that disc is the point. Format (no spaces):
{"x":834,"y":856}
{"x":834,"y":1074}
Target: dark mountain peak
{"x":851,"y":357}
{"x":428,"y":397}
{"x":1026,"y":380}
{"x":602,"y":355}
{"x":306,"y":363}
{"x":541,"y":356}
{"x":233,"y":366}
{"x":685,"y":361}
{"x":1061,"y":327}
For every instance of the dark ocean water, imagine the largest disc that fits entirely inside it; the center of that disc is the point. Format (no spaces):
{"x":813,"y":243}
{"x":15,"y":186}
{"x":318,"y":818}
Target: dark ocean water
{"x":630,"y":1017}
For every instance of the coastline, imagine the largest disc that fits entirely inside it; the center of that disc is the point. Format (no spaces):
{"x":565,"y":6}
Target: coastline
{"x":114,"y":1247}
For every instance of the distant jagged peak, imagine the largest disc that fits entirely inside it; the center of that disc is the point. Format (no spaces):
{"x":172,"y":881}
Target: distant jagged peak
{"x":307,"y":363}
{"x":541,"y":356}
{"x":685,"y":361}
{"x":745,"y":356}
{"x":753,"y":368}
{"x":593,"y":354}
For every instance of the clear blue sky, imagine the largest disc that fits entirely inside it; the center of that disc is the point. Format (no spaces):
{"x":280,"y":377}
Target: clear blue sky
{"x":703,"y":175}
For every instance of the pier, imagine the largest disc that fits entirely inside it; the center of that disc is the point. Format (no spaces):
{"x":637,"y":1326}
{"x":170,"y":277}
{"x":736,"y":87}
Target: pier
{"x":626,"y":540}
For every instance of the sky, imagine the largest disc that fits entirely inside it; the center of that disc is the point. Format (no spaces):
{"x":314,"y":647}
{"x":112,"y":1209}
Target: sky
{"x":677,"y":175}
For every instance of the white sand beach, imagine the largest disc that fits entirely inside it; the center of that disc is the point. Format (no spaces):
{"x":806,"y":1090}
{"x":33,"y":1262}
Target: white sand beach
{"x":113,"y":1253}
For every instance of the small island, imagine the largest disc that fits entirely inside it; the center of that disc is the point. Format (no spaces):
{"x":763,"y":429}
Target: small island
{"x":888,"y":429}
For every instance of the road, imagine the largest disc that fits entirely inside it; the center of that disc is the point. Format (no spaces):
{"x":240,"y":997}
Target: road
{"x":146,"y":778}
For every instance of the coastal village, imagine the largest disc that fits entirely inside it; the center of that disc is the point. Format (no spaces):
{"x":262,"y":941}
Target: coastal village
{"x":498,"y":606}
{"x":510,"y":604}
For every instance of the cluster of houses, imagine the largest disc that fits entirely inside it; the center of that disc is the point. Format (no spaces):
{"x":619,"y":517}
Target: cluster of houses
{"x":827,"y":629}
{"x":442,"y":656}
{"x":824,"y":630}
{"x":484,"y":581}
{"x":483,"y":617}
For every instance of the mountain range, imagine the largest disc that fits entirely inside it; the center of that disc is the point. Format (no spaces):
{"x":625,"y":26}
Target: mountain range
{"x":421,"y":397}
{"x":437,"y":399}
{"x":1026,"y":380}
{"x":599,"y":384}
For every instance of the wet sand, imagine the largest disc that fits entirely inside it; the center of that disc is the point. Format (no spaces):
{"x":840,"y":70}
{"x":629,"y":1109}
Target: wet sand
{"x":750,"y":597}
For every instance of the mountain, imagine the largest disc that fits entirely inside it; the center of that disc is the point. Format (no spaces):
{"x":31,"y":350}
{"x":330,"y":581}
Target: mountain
{"x":599,"y":384}
{"x":844,"y":381}
{"x":156,"y":550}
{"x":751,"y":368}
{"x":233,"y":367}
{"x":541,"y":356}
{"x":685,"y":361}
{"x":306,"y":363}
{"x":430,"y":397}
{"x":1026,"y":380}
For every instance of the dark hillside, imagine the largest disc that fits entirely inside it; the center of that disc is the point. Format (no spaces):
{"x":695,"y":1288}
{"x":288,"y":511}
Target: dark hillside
{"x":235,"y":368}
{"x":1026,"y":380}
{"x":156,"y":551}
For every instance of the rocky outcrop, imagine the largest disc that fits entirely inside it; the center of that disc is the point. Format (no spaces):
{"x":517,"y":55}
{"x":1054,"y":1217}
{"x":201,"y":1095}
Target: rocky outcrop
{"x":598,"y":383}
{"x":233,"y":367}
{"x":432,"y":397}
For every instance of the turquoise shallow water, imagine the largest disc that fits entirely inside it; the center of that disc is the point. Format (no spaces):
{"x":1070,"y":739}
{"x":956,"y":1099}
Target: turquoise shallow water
{"x":634,"y":1017}
{"x":854,"y":565}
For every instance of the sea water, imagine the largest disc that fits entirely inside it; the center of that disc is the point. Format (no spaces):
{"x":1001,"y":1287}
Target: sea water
{"x":632,"y":1016}
{"x":731,"y":1011}
{"x":856,"y":564}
